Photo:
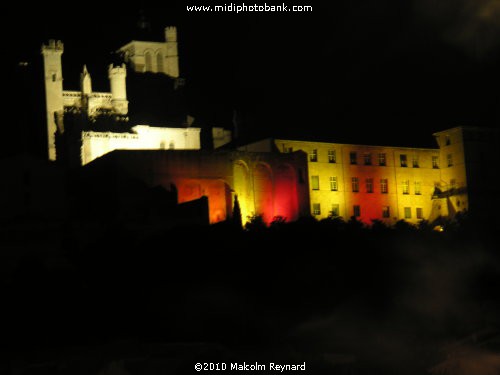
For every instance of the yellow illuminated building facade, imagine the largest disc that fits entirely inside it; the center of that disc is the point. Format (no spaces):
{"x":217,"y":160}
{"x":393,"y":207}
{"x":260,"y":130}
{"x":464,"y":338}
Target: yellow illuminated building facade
{"x":391,"y":183}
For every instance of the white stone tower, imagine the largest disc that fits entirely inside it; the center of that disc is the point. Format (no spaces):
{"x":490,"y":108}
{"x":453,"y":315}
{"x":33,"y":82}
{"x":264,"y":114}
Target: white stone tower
{"x":53,"y":90}
{"x":172,"y":57}
{"x":117,"y":80}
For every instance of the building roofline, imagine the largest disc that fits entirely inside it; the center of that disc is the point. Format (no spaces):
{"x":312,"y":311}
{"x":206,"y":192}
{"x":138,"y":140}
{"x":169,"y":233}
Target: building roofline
{"x":466,"y":127}
{"x":357,"y":144}
{"x":139,"y":41}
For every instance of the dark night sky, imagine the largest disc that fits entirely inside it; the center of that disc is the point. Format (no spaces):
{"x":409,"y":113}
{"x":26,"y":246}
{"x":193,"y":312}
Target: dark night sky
{"x":386,"y":71}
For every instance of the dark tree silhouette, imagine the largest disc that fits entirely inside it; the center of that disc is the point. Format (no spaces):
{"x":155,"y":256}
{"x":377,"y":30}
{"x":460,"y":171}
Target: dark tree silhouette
{"x":236,"y":219}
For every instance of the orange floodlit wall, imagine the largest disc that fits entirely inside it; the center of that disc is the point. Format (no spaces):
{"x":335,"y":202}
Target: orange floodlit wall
{"x":266,"y":184}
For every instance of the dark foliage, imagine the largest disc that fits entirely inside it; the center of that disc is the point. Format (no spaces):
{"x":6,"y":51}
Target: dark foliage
{"x":307,"y":287}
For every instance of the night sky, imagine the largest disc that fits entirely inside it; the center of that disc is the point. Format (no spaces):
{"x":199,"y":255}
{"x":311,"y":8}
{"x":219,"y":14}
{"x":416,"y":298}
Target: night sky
{"x":386,"y":72}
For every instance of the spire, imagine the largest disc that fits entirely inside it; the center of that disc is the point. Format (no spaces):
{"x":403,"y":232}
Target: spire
{"x":85,"y":81}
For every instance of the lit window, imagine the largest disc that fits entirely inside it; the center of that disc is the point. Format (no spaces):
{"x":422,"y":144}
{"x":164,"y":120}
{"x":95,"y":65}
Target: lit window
{"x":355,"y":184}
{"x":406,"y":187}
{"x":353,"y":157}
{"x":367,"y":159}
{"x":316,"y":209}
{"x":386,"y":212}
{"x":435,"y":162}
{"x":418,"y":188}
{"x":381,"y":159}
{"x":420,"y":213}
{"x":313,"y":156}
{"x":333,"y":184}
{"x":383,"y":186}
{"x":315,"y":182}
{"x":335,"y":210}
{"x":407,"y":212}
{"x":332,"y":156}
{"x":449,"y":157}
{"x":403,"y":160}
{"x":369,"y":185}
{"x":415,"y":161}
{"x":356,"y":210}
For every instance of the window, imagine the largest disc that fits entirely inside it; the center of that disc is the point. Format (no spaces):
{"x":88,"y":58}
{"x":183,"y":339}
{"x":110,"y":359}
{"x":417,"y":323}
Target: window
{"x":289,"y":150}
{"x":386,"y":212}
{"x":453,"y":183}
{"x":435,"y":162}
{"x":383,"y":186}
{"x":403,"y":160}
{"x":368,"y":159}
{"x":369,"y":185}
{"x":332,"y":156}
{"x":447,"y":140}
{"x":315,"y":182}
{"x":407,"y":212}
{"x":353,"y":157}
{"x":418,"y":188}
{"x":313,"y":155}
{"x":335,"y":210}
{"x":356,"y":210}
{"x":159,"y":62}
{"x":316,"y":209}
{"x":415,"y":161}
{"x":54,"y":77}
{"x":381,"y":159}
{"x":334,"y":186}
{"x":449,"y":157}
{"x":406,"y":187}
{"x":420,"y":213}
{"x":149,"y":62}
{"x":355,"y":184}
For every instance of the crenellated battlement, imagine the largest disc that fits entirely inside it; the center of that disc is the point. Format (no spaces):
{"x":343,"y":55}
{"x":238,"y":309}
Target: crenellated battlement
{"x":170,"y":34}
{"x":117,"y":70}
{"x":54,"y":45}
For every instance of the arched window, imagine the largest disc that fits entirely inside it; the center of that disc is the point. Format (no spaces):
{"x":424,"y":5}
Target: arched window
{"x":159,"y":62}
{"x":149,"y":62}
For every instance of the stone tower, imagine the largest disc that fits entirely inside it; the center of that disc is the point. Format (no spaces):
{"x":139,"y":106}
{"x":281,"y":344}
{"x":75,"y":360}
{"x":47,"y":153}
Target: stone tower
{"x":53,"y":90}
{"x":154,"y":57}
{"x":172,"y":57}
{"x":117,"y":76}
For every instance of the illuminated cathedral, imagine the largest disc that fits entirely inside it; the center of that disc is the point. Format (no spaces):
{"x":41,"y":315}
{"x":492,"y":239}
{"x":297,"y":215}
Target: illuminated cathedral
{"x":273,"y":177}
{"x":100,"y":119}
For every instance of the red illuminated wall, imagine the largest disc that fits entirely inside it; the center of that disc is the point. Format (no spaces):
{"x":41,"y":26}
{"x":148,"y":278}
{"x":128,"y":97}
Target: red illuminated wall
{"x":266,"y":184}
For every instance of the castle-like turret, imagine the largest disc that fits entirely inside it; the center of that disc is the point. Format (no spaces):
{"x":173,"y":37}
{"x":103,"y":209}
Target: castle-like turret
{"x":52,"y":53}
{"x":172,"y":56}
{"x":117,"y":80}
